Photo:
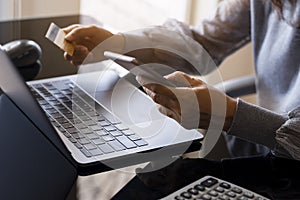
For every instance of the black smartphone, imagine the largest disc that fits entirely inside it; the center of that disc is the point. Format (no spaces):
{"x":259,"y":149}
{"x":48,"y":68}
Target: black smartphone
{"x":137,"y":68}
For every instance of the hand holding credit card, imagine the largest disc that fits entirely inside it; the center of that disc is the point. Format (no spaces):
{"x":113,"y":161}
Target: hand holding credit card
{"x":57,"y":36}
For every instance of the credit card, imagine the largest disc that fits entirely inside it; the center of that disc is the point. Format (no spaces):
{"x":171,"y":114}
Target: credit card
{"x":57,"y":36}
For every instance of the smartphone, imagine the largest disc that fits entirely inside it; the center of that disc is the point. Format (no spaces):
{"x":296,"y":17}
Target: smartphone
{"x":137,"y":68}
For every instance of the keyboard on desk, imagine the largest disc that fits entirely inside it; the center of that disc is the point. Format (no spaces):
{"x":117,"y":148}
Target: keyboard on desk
{"x":211,"y":188}
{"x":83,"y":121}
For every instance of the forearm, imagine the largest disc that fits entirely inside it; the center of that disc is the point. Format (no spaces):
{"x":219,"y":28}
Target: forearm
{"x":256,"y":124}
{"x":166,"y":46}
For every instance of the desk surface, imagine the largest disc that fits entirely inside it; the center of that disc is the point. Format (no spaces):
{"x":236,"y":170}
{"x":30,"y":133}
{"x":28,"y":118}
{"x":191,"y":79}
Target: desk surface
{"x":35,"y":29}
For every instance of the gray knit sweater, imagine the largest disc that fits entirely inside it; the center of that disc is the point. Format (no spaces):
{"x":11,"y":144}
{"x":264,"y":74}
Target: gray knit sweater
{"x":275,"y":123}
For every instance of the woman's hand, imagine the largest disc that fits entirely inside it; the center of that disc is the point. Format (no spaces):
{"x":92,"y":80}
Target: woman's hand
{"x":85,"y":39}
{"x":191,"y":104}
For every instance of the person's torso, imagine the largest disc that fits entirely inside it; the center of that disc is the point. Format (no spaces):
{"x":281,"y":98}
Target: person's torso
{"x":276,"y":46}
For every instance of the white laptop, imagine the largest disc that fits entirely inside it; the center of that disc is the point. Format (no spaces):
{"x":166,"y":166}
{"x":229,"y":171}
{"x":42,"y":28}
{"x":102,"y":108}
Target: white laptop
{"x":98,"y":120}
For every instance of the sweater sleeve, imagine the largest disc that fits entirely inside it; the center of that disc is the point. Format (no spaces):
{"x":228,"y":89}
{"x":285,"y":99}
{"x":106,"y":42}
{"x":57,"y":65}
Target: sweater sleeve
{"x":194,"y":48}
{"x":288,"y":135}
{"x":278,"y":132}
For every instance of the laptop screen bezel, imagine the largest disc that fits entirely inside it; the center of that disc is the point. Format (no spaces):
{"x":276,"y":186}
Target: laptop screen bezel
{"x":14,"y":86}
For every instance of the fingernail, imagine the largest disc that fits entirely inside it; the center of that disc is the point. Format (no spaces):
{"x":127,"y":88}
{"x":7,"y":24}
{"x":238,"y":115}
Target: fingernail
{"x":139,"y":79}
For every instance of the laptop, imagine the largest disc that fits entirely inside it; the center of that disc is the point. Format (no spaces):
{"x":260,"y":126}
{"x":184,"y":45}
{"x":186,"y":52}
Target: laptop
{"x":97,"y":120}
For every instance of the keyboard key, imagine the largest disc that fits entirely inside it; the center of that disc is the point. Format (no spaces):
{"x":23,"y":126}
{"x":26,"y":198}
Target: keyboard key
{"x":249,"y":195}
{"x":85,"y":131}
{"x":80,"y":126}
{"x":206,"y":197}
{"x":242,"y":198}
{"x":86,"y":153}
{"x":199,"y":187}
{"x":121,"y":127}
{"x":57,"y":116}
{"x":103,"y":123}
{"x":179,"y":198}
{"x":107,"y":138}
{"x":72,"y":130}
{"x":100,"y":118}
{"x":237,"y":190}
{"x":128,"y":132}
{"x":79,"y":113}
{"x":51,"y":111}
{"x":98,"y":141}
{"x":193,"y":191}
{"x":72,"y":140}
{"x":115,"y":133}
{"x":90,"y":146}
{"x":79,"y":146}
{"x":83,"y":141}
{"x":61,"y":129}
{"x":186,"y":195}
{"x":43,"y":102}
{"x":59,"y":96}
{"x":102,"y":132}
{"x":45,"y":107}
{"x":231,"y":194}
{"x":224,"y":197}
{"x":67,"y":125}
{"x":85,"y":118}
{"x":106,"y":148}
{"x":92,"y":114}
{"x":225,"y":185}
{"x":95,"y":128}
{"x":64,"y":121}
{"x":126,"y":142}
{"x":213,"y":193}
{"x":141,"y":143}
{"x":78,"y":135}
{"x":109,"y":128}
{"x":219,"y":189}
{"x":209,"y":182}
{"x":90,"y":123}
{"x":260,"y":198}
{"x":92,"y":136}
{"x":116,"y":145}
{"x":134,"y":137}
{"x":66,"y":134}
{"x":96,"y":152}
{"x":54,"y":123}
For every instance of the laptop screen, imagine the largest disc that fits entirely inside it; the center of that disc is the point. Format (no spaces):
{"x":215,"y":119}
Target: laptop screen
{"x":13,"y":85}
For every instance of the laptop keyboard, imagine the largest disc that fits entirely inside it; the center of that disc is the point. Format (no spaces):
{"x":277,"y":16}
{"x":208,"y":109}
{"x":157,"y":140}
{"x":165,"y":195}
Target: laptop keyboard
{"x":93,"y":130}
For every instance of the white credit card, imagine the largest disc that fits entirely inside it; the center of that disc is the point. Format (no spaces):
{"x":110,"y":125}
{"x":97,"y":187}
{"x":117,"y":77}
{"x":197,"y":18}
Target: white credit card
{"x":57,"y":36}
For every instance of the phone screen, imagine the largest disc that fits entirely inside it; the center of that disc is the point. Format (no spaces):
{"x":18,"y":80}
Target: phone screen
{"x":147,"y":71}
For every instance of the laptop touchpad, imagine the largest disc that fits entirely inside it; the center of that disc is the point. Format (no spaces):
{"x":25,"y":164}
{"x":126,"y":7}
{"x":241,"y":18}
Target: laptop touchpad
{"x":129,"y":103}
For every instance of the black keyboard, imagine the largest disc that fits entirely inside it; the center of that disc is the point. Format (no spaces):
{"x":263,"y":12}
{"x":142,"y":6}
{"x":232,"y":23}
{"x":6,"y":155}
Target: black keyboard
{"x":82,"y":120}
{"x":211,"y":188}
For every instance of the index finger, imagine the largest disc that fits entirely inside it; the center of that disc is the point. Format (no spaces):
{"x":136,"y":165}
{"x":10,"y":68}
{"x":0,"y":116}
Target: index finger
{"x":68,"y":29}
{"x":159,"y":89}
{"x":155,"y":87}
